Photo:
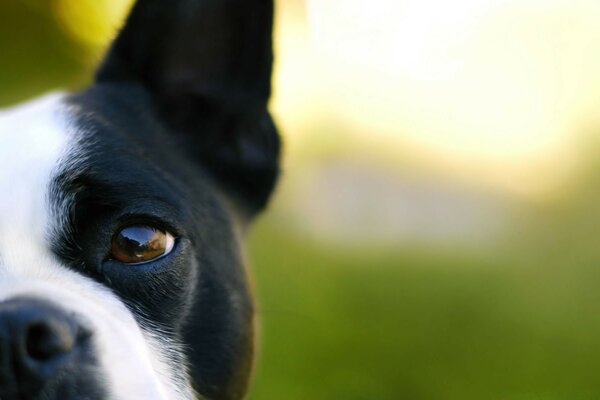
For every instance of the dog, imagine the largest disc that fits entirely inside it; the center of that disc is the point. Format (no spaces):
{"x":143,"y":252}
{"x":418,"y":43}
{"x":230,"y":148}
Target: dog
{"x":124,"y":208}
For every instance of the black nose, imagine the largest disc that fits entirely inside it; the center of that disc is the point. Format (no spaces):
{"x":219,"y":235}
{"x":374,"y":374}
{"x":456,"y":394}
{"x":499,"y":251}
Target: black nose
{"x":37,"y":340}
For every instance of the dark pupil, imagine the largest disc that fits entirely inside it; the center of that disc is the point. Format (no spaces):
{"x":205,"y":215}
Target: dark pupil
{"x":138,"y":243}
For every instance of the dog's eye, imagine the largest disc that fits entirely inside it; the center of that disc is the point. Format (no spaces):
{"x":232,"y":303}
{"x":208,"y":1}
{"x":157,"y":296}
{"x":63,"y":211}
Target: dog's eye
{"x":140,"y":243}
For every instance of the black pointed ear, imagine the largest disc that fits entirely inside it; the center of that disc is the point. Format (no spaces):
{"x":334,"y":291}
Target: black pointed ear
{"x":207,"y":64}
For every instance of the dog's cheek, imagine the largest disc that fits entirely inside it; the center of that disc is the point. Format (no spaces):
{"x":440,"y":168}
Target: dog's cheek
{"x":162,"y":291}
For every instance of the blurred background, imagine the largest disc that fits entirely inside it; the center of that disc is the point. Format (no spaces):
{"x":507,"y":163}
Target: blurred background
{"x":436,"y":233}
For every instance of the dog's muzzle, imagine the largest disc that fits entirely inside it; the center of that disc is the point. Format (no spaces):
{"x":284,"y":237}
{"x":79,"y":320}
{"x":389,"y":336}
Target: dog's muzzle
{"x":45,"y":352}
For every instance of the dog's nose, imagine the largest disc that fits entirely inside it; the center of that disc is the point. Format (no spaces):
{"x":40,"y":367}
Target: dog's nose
{"x":36,"y":341}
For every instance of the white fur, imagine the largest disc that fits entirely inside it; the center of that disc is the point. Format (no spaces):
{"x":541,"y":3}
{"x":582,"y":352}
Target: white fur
{"x":137,"y":362}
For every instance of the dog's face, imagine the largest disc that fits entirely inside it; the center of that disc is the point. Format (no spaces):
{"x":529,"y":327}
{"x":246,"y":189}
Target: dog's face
{"x":123,"y":209}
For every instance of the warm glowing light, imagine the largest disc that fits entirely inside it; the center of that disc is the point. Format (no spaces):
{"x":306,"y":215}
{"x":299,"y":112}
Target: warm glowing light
{"x":501,"y":85}
{"x":91,"y":22}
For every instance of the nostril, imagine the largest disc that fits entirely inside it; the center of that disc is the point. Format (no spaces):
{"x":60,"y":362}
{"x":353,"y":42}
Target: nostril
{"x":48,"y":339}
{"x":39,"y":344}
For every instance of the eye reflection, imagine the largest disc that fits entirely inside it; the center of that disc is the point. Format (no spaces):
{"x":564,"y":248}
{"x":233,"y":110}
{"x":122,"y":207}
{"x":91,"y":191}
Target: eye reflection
{"x":140,"y":243}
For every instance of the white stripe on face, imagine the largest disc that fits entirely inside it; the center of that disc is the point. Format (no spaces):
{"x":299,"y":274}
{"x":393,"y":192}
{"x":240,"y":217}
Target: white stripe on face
{"x":34,"y":138}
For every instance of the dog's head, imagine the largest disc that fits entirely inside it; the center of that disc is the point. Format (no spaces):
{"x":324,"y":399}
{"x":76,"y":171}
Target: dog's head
{"x":122,"y":209}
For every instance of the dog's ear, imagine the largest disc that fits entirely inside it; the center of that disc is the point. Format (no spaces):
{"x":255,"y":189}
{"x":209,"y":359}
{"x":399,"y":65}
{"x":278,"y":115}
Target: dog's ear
{"x":207,"y":65}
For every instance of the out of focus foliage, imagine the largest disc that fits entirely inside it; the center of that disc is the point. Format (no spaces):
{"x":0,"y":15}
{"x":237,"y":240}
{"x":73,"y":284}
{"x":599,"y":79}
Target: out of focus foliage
{"x":35,"y":54}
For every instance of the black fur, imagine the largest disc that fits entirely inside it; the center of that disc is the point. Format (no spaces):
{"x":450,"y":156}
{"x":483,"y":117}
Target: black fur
{"x":207,"y":67}
{"x":177,"y":134}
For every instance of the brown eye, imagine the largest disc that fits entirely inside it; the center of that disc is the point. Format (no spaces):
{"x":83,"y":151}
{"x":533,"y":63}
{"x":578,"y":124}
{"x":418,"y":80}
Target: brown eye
{"x":140,"y":243}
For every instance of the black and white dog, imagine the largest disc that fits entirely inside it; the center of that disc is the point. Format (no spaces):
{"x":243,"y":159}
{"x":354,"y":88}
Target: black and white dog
{"x":123,"y":209}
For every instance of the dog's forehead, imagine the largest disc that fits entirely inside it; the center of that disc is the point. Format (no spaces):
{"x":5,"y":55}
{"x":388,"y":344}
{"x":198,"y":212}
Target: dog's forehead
{"x":33,"y":138}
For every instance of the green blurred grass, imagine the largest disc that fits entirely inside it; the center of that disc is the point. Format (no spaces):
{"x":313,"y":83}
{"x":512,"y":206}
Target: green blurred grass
{"x":36,"y":55}
{"x":420,"y":324}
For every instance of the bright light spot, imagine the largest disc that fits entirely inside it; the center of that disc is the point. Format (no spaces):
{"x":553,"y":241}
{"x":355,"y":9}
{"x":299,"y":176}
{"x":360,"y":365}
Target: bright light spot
{"x":497,"y":87}
{"x":91,"y":22}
